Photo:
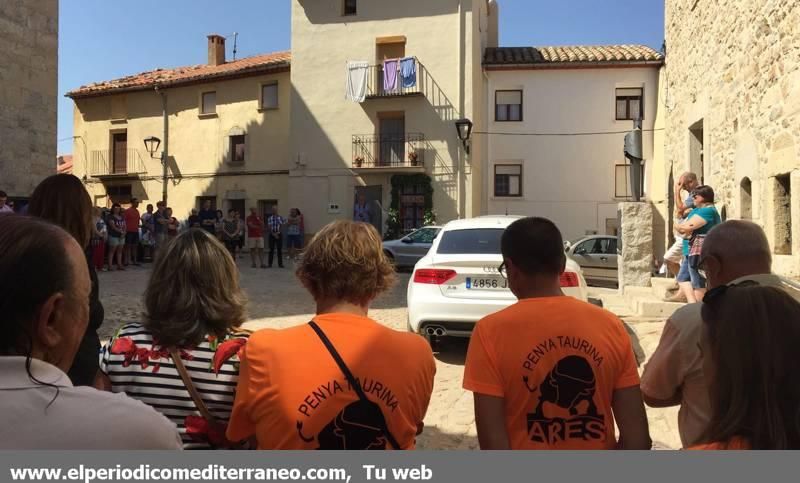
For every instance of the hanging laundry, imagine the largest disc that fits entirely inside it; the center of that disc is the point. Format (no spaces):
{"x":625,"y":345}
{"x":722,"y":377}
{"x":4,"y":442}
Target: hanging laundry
{"x":390,"y":74}
{"x":408,"y":72}
{"x":357,"y":72}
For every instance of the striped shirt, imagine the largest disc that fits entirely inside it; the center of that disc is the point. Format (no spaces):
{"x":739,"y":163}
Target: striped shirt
{"x":275,"y":223}
{"x":145,"y":371}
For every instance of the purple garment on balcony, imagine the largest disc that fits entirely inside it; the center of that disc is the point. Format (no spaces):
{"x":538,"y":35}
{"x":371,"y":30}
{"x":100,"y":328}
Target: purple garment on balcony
{"x":390,"y":74}
{"x":408,"y":72}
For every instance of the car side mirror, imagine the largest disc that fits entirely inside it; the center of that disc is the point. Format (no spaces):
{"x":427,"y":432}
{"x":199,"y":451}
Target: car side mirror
{"x":407,"y":240}
{"x":580,"y":251}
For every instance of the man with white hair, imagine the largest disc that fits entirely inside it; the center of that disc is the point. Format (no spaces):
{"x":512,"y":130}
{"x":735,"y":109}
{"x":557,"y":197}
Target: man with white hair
{"x":674,"y":256}
{"x":733,"y":252}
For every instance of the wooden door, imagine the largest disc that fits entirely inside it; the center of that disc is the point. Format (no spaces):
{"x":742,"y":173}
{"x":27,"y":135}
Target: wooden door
{"x":120,"y":153}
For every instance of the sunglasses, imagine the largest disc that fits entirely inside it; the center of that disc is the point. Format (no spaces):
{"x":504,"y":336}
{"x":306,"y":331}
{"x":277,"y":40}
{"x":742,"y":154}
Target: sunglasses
{"x":717,"y":293}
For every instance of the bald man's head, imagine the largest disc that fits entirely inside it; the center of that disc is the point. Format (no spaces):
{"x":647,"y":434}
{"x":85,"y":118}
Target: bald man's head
{"x":735,"y":249}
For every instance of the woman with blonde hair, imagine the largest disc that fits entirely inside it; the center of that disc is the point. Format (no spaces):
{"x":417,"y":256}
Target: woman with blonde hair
{"x":182,"y":359}
{"x":342,"y":381}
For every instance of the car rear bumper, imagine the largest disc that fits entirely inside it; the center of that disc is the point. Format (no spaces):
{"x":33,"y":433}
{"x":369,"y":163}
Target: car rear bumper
{"x":457,"y":316}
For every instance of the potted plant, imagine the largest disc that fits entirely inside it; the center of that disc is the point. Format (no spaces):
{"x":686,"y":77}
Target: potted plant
{"x":413,"y":157}
{"x":358,"y":161}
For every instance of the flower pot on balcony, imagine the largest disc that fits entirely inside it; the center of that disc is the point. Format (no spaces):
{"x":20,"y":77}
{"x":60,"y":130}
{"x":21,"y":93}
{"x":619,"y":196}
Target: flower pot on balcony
{"x":358,"y":162}
{"x":413,"y":158}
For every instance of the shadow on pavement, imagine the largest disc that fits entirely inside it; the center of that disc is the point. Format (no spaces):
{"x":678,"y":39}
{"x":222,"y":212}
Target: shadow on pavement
{"x":433,"y":438}
{"x":451,"y":350}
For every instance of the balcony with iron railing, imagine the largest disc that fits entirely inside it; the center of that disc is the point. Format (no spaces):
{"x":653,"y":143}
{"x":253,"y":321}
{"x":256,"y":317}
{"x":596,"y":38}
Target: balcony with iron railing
{"x":389,"y":152}
{"x":116,"y":162}
{"x":377,"y":88}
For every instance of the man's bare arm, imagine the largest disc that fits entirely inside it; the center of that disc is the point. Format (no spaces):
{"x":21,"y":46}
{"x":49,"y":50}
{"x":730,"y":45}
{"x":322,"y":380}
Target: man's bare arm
{"x":629,"y":412}
{"x":491,"y":422}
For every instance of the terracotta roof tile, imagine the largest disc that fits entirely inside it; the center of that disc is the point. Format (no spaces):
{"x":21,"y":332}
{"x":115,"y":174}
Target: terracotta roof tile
{"x":184,"y":75}
{"x":576,"y":54}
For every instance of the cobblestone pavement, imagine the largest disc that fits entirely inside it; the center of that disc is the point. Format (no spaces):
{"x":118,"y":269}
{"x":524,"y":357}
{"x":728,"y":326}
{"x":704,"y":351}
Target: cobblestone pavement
{"x":276,"y":299}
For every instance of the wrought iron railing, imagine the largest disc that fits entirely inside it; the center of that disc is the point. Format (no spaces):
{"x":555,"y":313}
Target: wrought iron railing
{"x":109,"y":162}
{"x":388,"y":150}
{"x":376,"y":87}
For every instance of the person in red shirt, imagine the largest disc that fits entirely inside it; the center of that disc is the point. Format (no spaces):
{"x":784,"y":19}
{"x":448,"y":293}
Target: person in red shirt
{"x":132,"y":219}
{"x":255,"y":237}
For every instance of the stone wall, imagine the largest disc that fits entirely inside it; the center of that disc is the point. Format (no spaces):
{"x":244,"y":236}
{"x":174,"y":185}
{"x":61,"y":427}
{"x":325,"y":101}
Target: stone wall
{"x":733,"y":69}
{"x":28,"y":89}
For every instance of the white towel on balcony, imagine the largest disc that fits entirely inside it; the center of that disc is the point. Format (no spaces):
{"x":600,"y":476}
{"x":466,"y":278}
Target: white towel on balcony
{"x":357,"y":80}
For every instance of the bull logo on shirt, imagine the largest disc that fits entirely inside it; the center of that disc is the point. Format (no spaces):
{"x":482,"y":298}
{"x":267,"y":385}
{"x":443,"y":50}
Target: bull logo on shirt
{"x":566,"y":409}
{"x":357,"y":427}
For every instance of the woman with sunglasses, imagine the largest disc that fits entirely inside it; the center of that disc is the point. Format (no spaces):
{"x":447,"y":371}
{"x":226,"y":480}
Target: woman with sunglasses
{"x":698,"y":223}
{"x":749,"y":342}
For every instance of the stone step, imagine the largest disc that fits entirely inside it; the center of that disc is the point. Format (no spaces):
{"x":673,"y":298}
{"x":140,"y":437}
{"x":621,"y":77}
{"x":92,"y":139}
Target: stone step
{"x":649,"y":308}
{"x":660,"y":286}
{"x":637,"y":292}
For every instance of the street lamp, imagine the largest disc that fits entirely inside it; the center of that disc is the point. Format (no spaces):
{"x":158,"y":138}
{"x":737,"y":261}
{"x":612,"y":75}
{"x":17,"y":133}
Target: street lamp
{"x":464,"y":128}
{"x":151,"y":144}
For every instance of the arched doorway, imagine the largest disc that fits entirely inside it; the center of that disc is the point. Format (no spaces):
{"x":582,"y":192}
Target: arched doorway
{"x":746,"y":199}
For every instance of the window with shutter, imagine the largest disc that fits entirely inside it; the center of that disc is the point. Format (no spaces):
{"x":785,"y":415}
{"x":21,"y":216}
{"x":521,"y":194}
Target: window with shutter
{"x":629,"y":104}
{"x":508,"y":105}
{"x":508,"y":180}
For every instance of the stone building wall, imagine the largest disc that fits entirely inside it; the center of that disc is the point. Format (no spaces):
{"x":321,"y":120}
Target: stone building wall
{"x":732,"y":93}
{"x":28,"y":89}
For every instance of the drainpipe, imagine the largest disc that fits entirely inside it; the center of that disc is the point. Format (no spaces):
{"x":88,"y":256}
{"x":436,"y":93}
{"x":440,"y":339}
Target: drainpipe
{"x":165,"y":151}
{"x":461,"y":81}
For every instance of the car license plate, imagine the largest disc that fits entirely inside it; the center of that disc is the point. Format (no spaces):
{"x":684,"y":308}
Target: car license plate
{"x":486,"y":284}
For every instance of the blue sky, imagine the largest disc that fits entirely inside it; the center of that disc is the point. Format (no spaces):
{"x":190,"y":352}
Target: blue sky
{"x":102,"y":39}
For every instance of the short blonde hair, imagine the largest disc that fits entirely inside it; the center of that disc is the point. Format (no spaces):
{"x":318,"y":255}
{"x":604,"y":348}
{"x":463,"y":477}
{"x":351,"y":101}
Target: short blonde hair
{"x":345,"y":261}
{"x":193,"y":291}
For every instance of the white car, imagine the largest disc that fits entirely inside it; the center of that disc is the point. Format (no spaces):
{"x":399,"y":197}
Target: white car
{"x":458,"y":282}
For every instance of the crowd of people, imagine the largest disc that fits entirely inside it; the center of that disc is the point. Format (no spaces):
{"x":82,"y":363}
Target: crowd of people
{"x":126,"y":237}
{"x":548,"y":372}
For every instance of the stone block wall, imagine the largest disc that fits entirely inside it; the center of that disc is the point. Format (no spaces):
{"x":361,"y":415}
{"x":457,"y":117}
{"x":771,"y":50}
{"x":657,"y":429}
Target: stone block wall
{"x":733,"y":70}
{"x":28,"y":90}
{"x":636,"y":236}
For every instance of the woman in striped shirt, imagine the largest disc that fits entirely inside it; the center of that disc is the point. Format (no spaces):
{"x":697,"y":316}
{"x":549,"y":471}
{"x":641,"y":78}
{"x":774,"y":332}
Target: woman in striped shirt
{"x":193,"y":307}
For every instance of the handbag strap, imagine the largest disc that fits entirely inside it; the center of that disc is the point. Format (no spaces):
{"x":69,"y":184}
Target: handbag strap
{"x":350,"y":378}
{"x":187,"y":381}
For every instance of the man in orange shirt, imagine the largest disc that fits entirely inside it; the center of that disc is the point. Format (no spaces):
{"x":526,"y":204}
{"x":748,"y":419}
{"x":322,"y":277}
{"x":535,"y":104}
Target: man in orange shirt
{"x":551,"y":372}
{"x":294,"y":394}
{"x":132,"y":219}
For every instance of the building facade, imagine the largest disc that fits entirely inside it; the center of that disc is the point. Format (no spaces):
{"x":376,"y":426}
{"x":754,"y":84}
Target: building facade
{"x":389,"y":145}
{"x":28,"y":90}
{"x":314,"y":149}
{"x":224,"y":126}
{"x":557,"y":121}
{"x":731,"y":92}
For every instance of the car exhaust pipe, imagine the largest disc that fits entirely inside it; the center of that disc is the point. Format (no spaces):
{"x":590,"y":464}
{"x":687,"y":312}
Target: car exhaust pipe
{"x":435,"y":330}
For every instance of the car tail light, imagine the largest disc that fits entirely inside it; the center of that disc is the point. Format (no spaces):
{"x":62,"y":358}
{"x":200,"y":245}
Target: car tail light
{"x":569,"y":279}
{"x":433,"y":276}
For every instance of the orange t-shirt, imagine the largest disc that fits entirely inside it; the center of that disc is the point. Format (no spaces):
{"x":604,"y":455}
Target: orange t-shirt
{"x":292,"y":395}
{"x":556,"y":362}
{"x":736,"y":443}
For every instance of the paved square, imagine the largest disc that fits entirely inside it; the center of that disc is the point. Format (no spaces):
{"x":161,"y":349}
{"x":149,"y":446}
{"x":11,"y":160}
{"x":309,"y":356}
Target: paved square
{"x":276,"y":299}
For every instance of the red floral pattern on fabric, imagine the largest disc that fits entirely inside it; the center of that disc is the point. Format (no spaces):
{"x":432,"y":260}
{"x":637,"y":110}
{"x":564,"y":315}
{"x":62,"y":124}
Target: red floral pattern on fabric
{"x":125,"y":346}
{"x":197,"y":427}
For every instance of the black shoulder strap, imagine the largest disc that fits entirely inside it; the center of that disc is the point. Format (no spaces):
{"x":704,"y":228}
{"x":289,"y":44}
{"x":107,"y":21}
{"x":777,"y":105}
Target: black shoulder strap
{"x":350,"y":378}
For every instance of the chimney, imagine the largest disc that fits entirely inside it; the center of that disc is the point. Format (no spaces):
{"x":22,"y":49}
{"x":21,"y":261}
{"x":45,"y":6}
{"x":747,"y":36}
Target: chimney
{"x":216,"y":49}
